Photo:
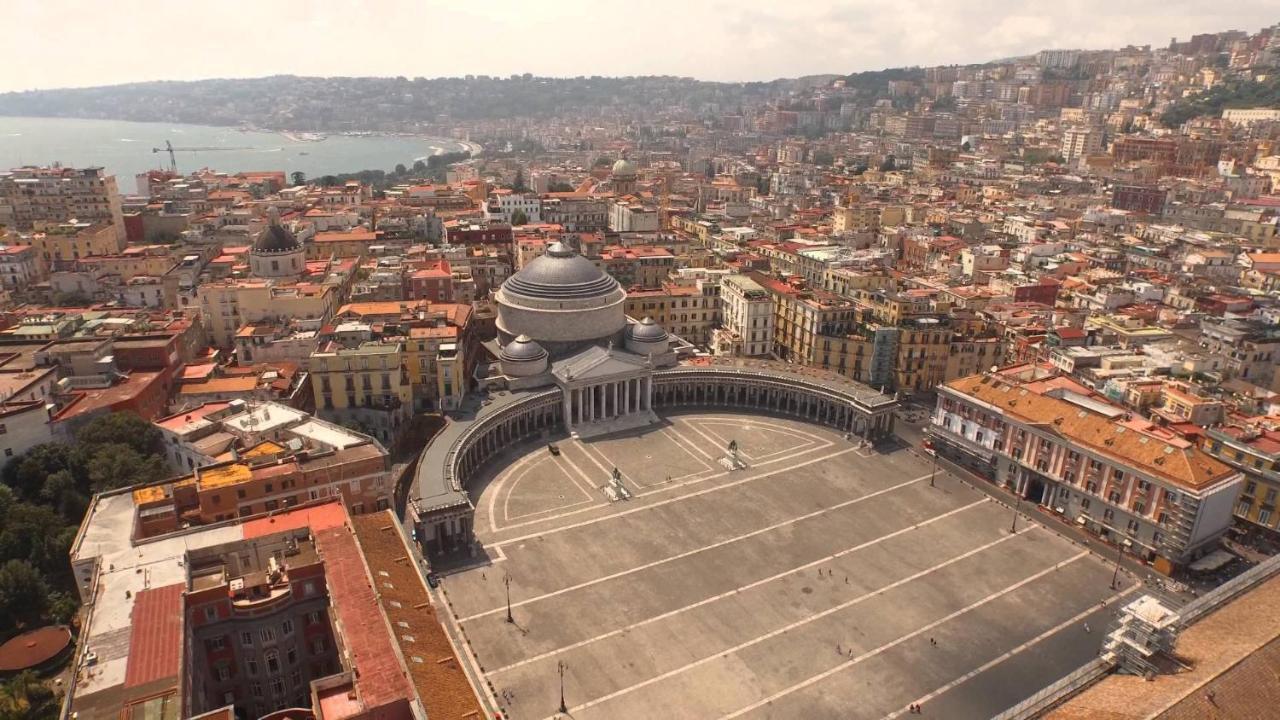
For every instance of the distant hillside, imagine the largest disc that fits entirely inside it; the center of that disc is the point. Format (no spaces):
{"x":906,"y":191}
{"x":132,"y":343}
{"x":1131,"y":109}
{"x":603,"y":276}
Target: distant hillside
{"x":369,"y":103}
{"x":341,"y":103}
{"x":1233,"y":93}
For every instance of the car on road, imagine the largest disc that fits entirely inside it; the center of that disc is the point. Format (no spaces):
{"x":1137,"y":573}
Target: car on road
{"x":553,"y":448}
{"x":433,"y":580}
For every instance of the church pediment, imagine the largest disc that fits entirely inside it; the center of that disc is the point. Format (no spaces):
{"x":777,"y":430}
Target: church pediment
{"x":597,"y":363}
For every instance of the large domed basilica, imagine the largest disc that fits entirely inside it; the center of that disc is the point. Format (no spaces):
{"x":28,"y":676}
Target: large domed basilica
{"x":561,"y":322}
{"x":569,"y":361}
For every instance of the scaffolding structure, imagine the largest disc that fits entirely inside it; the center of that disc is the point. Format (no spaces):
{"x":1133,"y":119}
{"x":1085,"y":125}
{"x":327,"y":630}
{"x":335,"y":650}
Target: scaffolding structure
{"x":1142,"y":636}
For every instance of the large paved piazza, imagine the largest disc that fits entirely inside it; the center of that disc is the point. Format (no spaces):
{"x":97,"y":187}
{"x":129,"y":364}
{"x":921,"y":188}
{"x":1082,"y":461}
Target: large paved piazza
{"x":812,"y":583}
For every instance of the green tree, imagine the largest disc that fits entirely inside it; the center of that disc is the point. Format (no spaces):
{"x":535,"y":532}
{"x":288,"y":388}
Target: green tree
{"x":519,"y":218}
{"x":298,"y":178}
{"x":63,"y":494}
{"x":419,"y":166}
{"x":24,"y":594}
{"x":823,"y":158}
{"x":889,"y":164}
{"x":115,"y":465}
{"x":123,"y":428}
{"x":518,"y":184}
{"x":25,"y":696}
{"x":401,"y":169}
{"x":28,"y":473}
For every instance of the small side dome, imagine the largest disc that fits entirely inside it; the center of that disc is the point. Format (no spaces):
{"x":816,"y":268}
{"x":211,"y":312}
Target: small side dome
{"x":647,"y":338}
{"x":523,"y":357}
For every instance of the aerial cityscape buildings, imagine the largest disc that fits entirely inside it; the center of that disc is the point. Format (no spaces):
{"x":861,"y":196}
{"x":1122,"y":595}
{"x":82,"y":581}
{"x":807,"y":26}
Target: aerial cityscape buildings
{"x":946,"y":390}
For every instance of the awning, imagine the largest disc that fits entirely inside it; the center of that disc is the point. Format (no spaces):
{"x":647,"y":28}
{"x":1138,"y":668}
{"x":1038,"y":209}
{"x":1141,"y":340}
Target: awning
{"x":1213,"y":561}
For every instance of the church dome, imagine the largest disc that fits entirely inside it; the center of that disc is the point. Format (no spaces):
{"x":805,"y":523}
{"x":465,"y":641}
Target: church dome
{"x":647,"y":338}
{"x":560,"y":274}
{"x":624,"y":167}
{"x":275,"y":239}
{"x":523,"y":348}
{"x":523,"y":357}
{"x":647,"y":331}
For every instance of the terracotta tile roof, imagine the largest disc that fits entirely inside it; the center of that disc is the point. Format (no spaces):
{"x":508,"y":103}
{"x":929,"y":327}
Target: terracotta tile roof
{"x":316,"y":517}
{"x":381,"y":679}
{"x":436,"y":672}
{"x":1233,"y":653}
{"x":155,"y":640}
{"x":1183,"y":463}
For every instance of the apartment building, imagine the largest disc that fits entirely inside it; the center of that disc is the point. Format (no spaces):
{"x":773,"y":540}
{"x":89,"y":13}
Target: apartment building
{"x":20,"y":266}
{"x":23,"y":425}
{"x":1254,"y":451}
{"x":802,"y":316}
{"x":288,"y":614}
{"x":228,"y":305}
{"x":366,"y":385}
{"x":440,"y":343}
{"x":575,"y":212}
{"x":628,"y":215}
{"x":240,"y":459}
{"x":689,"y":310}
{"x":1250,"y":348}
{"x":32,"y":198}
{"x":1163,"y":498}
{"x":70,"y":241}
{"x":859,"y":217}
{"x":1079,"y":143}
{"x":638,"y":266}
{"x":747,"y":318}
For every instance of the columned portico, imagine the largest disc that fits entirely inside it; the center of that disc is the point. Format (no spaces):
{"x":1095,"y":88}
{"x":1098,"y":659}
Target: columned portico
{"x":605,"y":390}
{"x":610,"y":405}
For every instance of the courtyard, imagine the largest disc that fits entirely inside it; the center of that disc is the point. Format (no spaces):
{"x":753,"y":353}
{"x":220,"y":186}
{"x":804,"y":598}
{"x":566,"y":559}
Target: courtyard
{"x":815,"y":579}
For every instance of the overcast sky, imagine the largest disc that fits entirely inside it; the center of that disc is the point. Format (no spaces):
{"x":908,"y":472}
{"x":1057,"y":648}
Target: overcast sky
{"x":66,"y":43}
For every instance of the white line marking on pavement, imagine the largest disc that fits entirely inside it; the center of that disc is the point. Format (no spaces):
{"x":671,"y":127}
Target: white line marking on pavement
{"x":704,"y":548}
{"x":996,"y":661}
{"x":495,"y":492}
{"x":507,"y":517}
{"x":894,"y":643}
{"x":676,"y":434}
{"x":665,"y":488}
{"x":800,"y":623}
{"x":790,"y":432}
{"x":741,"y":588}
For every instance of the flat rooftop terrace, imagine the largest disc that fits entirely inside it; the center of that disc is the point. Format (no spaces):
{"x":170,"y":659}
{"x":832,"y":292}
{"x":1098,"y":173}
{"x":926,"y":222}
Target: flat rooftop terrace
{"x":823,"y":580}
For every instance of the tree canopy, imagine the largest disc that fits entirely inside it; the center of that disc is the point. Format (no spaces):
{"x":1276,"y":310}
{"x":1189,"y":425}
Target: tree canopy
{"x":1234,"y":93}
{"x":43,"y":498}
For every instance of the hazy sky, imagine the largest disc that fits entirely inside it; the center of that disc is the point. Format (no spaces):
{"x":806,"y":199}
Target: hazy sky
{"x":66,"y":43}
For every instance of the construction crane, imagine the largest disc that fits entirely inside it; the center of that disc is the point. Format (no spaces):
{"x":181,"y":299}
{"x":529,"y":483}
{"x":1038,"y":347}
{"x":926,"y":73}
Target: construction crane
{"x":173,"y":160}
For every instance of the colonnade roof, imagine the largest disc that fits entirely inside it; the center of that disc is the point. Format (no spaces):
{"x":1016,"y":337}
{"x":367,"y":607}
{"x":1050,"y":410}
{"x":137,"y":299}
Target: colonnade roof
{"x":432,"y":490}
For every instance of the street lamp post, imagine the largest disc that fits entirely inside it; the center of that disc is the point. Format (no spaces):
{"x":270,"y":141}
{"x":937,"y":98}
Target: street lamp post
{"x":933,"y":473}
{"x":560,"y":667}
{"x":1115,"y":576}
{"x":1013,"y":528}
{"x":506,"y":580}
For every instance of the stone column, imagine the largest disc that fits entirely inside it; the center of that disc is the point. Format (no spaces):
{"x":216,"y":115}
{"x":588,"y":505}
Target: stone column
{"x":617,"y":394}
